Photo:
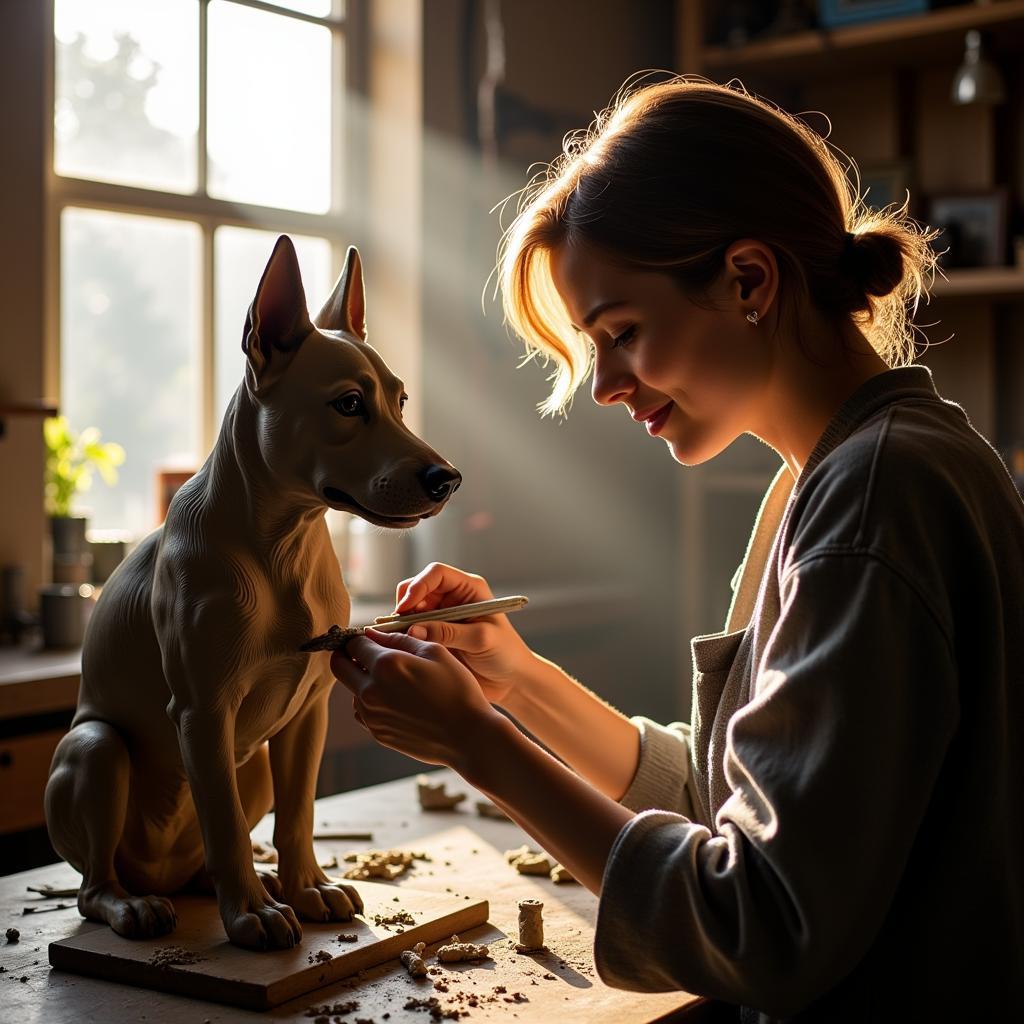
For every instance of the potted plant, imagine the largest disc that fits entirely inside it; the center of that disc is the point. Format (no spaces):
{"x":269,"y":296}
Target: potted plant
{"x":70,"y":461}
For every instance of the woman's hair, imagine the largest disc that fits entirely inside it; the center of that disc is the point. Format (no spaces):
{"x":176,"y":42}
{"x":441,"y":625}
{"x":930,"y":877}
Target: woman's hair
{"x":667,"y":178}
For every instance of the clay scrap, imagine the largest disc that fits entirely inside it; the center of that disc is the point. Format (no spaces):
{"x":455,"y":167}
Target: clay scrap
{"x":528,"y":861}
{"x":456,"y":951}
{"x":412,"y":960}
{"x":386,"y":864}
{"x":434,"y":796}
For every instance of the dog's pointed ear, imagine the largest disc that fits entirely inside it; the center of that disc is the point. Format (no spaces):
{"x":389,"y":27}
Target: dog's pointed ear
{"x":345,"y":310}
{"x":278,"y":320}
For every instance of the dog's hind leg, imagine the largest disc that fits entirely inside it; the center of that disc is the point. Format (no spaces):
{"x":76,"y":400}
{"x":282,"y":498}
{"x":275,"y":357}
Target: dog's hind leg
{"x":86,"y":801}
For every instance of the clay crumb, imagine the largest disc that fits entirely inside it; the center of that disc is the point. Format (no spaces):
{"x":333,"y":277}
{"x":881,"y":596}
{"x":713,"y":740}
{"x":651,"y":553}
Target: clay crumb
{"x":412,"y":960}
{"x":13,"y":934}
{"x":399,"y":917}
{"x":348,"y":937}
{"x":434,"y":796}
{"x":432,"y":1005}
{"x":321,"y":956}
{"x":174,"y":956}
{"x":456,"y":951}
{"x":329,"y":1010}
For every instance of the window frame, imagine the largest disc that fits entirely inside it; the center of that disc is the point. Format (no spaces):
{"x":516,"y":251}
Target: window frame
{"x":349,"y":172}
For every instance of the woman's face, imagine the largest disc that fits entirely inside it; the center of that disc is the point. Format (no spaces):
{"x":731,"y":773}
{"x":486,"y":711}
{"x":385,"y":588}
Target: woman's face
{"x":694,"y":377}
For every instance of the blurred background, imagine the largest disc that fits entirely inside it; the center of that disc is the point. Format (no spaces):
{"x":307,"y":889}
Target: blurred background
{"x":153,"y":151}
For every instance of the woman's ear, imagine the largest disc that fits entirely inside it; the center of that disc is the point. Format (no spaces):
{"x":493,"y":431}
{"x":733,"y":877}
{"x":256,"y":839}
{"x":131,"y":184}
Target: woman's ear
{"x":752,"y":274}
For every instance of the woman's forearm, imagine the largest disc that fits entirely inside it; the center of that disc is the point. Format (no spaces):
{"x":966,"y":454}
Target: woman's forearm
{"x":567,"y":816}
{"x":598,"y":742}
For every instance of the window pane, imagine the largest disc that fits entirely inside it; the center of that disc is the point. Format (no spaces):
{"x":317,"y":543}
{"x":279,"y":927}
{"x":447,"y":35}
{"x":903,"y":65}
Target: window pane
{"x":269,"y":109}
{"x":319,"y":8}
{"x":240,"y":255}
{"x":127,"y":91}
{"x":130,"y":351}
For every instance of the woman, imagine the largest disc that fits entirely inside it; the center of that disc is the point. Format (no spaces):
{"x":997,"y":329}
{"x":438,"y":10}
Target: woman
{"x":837,"y":835}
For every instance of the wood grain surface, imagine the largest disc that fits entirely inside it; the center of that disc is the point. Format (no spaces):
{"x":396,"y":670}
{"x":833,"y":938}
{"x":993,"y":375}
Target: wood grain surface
{"x":225,"y":973}
{"x":560,"y":985}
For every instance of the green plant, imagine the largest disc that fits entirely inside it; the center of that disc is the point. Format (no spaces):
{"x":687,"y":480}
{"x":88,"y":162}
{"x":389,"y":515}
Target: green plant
{"x":70,"y":461}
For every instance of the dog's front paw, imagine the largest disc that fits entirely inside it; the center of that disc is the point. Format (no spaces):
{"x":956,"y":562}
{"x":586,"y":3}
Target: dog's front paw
{"x":260,"y":922}
{"x":325,"y":901}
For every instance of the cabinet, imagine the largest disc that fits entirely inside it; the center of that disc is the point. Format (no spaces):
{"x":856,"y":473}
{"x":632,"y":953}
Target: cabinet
{"x":885,"y":89}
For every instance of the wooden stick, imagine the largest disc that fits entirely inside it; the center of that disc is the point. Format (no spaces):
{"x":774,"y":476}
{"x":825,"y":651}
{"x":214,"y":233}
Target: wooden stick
{"x":336,"y":637}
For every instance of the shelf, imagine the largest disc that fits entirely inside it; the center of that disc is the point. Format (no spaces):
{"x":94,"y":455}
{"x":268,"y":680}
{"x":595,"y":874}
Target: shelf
{"x":932,"y":38}
{"x":981,"y":282}
{"x":43,"y":407}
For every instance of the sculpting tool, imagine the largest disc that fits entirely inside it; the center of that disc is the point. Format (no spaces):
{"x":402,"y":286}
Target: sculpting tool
{"x":336,"y":637}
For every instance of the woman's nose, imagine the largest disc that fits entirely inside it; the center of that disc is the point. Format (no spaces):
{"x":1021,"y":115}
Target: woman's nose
{"x":612,"y":381}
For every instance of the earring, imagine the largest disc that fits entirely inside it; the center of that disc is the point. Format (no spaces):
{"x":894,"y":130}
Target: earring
{"x":752,"y":317}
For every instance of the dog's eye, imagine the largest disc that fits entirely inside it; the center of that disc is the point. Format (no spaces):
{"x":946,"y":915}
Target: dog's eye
{"x":349,"y":404}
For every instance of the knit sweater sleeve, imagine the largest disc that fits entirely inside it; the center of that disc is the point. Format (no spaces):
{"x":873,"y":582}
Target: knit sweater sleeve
{"x":831,"y":767}
{"x":662,"y":778}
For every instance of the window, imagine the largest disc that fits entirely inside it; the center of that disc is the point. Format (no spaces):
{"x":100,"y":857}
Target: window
{"x":187,"y":135}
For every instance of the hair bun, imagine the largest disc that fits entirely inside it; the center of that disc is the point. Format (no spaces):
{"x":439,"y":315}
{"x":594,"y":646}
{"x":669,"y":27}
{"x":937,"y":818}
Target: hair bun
{"x":874,"y":260}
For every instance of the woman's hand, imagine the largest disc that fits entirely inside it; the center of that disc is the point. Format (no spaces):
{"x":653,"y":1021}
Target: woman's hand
{"x":489,"y":647}
{"x":415,"y":697}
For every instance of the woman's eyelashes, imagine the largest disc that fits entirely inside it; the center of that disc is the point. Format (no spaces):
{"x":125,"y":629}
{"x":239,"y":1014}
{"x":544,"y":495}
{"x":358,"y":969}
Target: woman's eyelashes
{"x":625,"y":337}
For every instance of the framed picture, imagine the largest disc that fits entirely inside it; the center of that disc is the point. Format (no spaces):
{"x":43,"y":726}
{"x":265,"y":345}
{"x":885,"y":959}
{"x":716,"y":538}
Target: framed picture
{"x":836,"y":13}
{"x":885,"y":184}
{"x":974,"y":228}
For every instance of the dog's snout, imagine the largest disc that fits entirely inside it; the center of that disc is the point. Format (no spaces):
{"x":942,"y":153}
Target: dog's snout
{"x":440,"y":482}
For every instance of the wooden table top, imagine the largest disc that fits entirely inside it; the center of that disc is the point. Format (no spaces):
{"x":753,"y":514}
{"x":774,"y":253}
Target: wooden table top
{"x":467,"y":854}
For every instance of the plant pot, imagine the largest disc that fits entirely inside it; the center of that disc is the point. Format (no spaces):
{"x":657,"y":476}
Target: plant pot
{"x":68,"y":535}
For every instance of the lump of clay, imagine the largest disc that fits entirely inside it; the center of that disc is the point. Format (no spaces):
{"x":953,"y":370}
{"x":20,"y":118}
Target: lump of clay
{"x":455,"y":951}
{"x":434,"y":796}
{"x":531,"y":926}
{"x":413,"y":962}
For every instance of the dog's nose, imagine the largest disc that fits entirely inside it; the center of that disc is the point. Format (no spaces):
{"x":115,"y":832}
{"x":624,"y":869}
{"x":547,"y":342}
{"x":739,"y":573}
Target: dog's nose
{"x":440,"y":482}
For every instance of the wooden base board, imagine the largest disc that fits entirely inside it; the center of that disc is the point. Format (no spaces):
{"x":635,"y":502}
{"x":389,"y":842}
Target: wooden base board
{"x":259,"y":981}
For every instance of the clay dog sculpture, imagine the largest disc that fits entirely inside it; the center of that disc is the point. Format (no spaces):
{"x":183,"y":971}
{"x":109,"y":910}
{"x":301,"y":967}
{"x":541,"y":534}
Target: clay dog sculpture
{"x":197,"y":712}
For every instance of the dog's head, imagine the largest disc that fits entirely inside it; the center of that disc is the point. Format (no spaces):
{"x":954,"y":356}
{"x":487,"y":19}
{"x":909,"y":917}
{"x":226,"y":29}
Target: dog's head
{"x":329,"y":410}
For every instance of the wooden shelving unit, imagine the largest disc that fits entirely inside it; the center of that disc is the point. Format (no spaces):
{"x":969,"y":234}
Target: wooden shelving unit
{"x":885,"y":89}
{"x":912,"y":41}
{"x":982,"y":282}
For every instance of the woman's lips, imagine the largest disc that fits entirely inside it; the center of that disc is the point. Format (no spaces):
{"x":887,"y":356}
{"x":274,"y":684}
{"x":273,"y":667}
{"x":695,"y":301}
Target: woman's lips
{"x":657,"y":421}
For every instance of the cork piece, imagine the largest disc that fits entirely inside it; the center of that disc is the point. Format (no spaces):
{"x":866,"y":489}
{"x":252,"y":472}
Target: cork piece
{"x":456,"y":951}
{"x":531,"y":926}
{"x":434,"y":796}
{"x":412,"y":960}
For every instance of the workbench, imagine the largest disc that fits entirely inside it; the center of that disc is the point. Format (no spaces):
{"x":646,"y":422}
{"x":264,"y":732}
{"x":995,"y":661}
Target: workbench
{"x":467,"y":858}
